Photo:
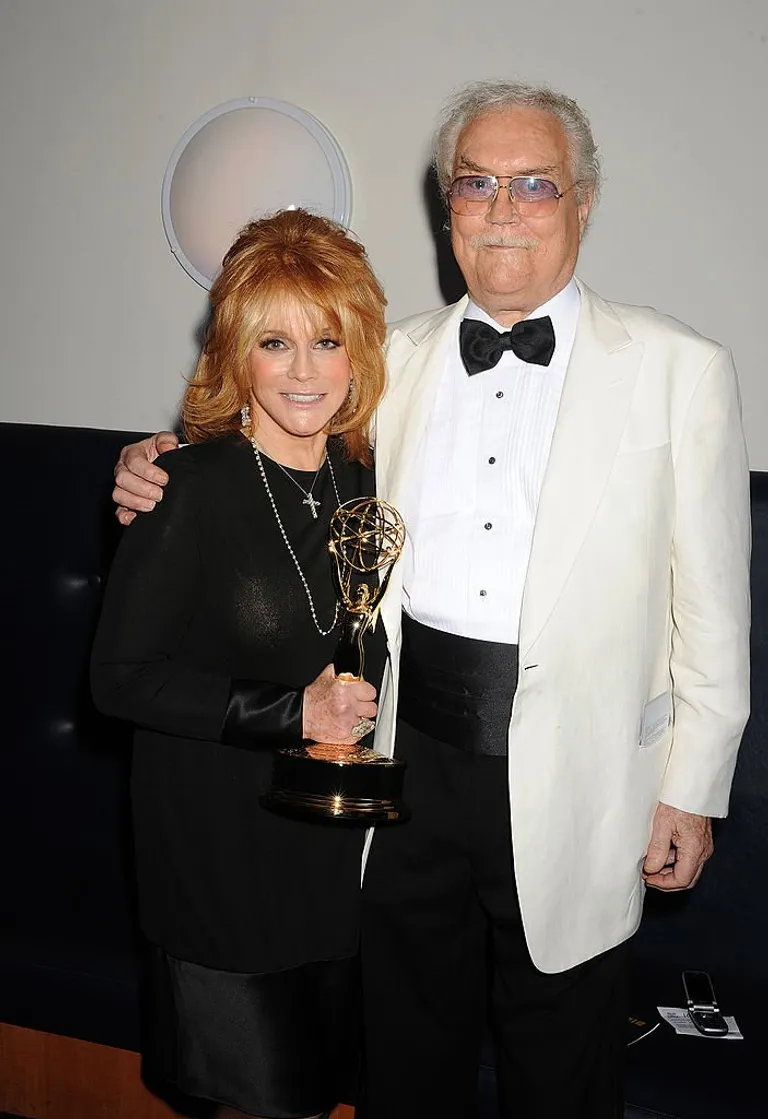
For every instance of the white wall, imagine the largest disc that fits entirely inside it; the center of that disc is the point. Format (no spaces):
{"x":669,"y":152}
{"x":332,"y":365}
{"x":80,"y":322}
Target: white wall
{"x":97,"y":320}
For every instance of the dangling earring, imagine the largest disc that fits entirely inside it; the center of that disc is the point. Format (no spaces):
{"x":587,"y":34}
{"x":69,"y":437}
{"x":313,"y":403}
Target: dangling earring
{"x":245,"y":415}
{"x":351,"y":386}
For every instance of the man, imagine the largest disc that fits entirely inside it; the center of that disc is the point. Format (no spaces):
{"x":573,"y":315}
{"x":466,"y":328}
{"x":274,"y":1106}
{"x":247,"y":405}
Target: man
{"x":569,"y":676}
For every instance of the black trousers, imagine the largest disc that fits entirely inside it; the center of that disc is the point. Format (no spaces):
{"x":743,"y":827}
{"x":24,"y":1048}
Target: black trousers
{"x":442,"y":933}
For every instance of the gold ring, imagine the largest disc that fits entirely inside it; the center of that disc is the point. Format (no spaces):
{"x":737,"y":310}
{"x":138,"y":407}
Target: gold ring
{"x":362,"y":727}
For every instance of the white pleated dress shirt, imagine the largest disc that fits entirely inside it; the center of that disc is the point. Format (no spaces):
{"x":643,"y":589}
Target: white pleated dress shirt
{"x":471,"y":518}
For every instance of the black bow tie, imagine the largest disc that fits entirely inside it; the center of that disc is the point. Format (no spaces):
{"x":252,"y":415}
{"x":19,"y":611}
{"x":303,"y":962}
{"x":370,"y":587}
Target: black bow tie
{"x":481,"y":346}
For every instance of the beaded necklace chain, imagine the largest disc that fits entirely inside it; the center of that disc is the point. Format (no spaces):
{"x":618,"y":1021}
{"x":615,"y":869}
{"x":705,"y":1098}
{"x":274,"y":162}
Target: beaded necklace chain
{"x":297,"y":565}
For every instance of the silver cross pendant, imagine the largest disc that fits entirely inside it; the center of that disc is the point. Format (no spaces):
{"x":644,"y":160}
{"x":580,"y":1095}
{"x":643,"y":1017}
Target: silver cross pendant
{"x":312,"y":503}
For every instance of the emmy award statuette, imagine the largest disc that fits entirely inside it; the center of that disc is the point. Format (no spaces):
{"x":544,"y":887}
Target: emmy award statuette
{"x":323,"y":780}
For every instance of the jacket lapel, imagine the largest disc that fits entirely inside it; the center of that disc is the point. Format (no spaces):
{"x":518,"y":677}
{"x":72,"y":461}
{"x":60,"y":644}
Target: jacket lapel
{"x":593,"y":411}
{"x":415,"y":360}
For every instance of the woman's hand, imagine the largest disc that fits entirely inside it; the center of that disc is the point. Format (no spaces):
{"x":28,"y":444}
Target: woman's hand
{"x":137,"y":482}
{"x":333,"y":707}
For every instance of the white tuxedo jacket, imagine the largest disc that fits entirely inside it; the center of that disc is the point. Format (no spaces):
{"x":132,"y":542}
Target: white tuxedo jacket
{"x":633,"y":684}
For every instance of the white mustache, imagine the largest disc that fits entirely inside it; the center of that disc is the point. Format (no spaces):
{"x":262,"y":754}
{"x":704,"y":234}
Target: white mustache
{"x":484,"y":240}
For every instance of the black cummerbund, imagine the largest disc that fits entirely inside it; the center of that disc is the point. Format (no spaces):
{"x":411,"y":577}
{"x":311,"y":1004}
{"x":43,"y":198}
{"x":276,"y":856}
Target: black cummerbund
{"x":456,"y":689}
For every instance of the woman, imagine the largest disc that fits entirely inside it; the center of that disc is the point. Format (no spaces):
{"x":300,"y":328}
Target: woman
{"x":216,"y":640}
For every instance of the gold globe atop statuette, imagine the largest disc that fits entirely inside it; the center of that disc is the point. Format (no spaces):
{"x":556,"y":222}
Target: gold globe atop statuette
{"x":366,"y":537}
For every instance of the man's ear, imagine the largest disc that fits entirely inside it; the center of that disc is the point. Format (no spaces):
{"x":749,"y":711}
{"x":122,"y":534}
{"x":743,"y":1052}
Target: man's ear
{"x":584,"y":208}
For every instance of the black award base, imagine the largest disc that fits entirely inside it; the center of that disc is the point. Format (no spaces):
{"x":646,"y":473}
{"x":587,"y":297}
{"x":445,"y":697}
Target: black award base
{"x":318,"y":781}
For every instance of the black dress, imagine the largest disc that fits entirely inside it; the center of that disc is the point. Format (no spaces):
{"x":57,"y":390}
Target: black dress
{"x":205,"y":642}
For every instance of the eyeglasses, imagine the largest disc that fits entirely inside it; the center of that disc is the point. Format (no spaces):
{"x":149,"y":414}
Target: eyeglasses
{"x":535,"y":197}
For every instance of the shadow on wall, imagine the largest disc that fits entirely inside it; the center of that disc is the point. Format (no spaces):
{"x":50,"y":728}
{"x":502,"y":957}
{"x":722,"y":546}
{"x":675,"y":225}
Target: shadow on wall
{"x":451,"y":281}
{"x":199,"y":335}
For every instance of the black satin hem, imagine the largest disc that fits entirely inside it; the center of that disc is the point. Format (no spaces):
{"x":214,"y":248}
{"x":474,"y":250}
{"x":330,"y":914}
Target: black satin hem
{"x":263,"y":716}
{"x":282,"y":1045}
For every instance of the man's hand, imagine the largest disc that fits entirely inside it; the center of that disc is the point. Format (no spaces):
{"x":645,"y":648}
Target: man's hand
{"x":680,"y":845}
{"x":138,"y":484}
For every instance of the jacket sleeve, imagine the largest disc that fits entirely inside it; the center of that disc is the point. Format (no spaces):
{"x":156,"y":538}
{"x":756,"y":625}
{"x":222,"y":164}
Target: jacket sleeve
{"x":138,"y":668}
{"x":710,"y":596}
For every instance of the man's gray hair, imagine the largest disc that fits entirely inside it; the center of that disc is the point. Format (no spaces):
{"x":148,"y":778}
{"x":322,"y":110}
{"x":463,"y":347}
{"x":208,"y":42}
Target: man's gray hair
{"x":478,"y":98}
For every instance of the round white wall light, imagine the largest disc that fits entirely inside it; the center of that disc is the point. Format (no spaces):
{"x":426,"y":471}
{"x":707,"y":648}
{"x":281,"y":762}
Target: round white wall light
{"x":239,"y":161}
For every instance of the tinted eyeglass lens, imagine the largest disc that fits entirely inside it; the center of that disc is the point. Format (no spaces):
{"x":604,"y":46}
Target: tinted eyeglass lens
{"x":471,"y":194}
{"x":475,"y":187}
{"x":533,"y":190}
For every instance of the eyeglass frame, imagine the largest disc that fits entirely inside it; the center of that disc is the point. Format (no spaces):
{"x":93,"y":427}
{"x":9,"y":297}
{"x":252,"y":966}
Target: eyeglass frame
{"x":497,"y":179}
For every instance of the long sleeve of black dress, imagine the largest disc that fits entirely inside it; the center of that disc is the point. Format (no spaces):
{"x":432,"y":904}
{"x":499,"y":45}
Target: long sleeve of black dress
{"x":139,"y":670}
